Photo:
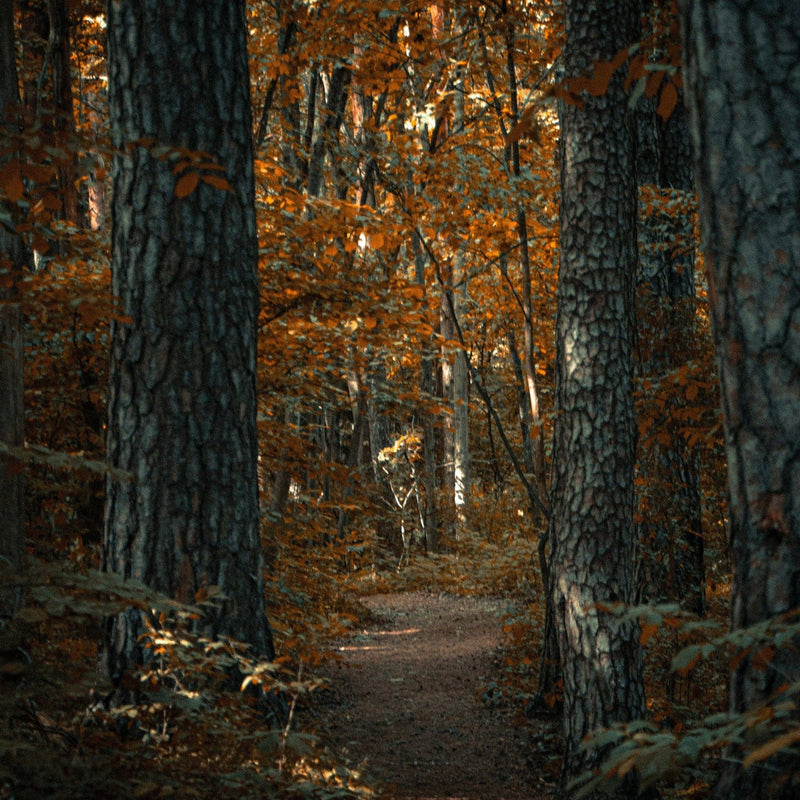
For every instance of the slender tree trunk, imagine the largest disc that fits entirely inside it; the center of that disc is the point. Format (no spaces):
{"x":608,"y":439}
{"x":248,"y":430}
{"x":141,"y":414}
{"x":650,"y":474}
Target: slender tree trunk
{"x":447,"y":331}
{"x":461,"y":453}
{"x":59,"y":52}
{"x":744,"y":102}
{"x":12,"y":527}
{"x":523,"y":405}
{"x":182,"y":402}
{"x":528,"y":354}
{"x":332,"y":118}
{"x":427,"y":389}
{"x":460,"y":394}
{"x":591,"y":525}
{"x":669,"y":500}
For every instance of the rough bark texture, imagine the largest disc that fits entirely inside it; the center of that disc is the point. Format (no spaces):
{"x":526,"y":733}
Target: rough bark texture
{"x":182,"y":402}
{"x":591,"y":524}
{"x":744,"y":100}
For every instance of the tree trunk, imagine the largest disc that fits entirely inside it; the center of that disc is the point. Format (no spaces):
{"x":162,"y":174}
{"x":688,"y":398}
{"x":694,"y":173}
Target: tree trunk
{"x":461,"y":456}
{"x":669,"y":501}
{"x":528,"y":355}
{"x":447,"y":331}
{"x":12,"y":527}
{"x":182,"y":401}
{"x":744,"y":101}
{"x":591,"y":528}
{"x":427,"y":390}
{"x":59,"y":51}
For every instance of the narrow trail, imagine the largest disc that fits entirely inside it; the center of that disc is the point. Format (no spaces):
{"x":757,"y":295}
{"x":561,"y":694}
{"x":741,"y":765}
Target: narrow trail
{"x":408,"y":705}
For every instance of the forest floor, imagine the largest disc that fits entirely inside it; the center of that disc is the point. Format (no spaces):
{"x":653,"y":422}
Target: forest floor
{"x":413,"y":704}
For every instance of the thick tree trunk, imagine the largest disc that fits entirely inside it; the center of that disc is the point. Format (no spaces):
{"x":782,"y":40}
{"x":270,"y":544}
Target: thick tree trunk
{"x":182,"y":402}
{"x":744,"y":101}
{"x":591,"y":528}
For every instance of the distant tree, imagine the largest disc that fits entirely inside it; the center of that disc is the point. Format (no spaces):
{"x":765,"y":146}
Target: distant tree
{"x":59,"y":50}
{"x":744,"y":101}
{"x":591,"y":530}
{"x":12,"y":529}
{"x":669,"y":498}
{"x":182,"y":400}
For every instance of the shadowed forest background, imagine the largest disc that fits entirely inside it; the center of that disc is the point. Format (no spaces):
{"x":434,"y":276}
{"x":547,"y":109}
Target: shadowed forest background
{"x":305,"y":301}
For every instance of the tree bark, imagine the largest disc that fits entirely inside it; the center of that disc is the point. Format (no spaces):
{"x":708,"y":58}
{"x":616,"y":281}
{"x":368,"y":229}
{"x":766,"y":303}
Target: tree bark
{"x":182,"y":401}
{"x":591,"y":530}
{"x":744,"y":102}
{"x":12,"y":527}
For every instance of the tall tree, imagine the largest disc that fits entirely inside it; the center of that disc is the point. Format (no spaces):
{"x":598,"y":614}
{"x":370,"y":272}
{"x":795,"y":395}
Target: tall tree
{"x":669,"y":499}
{"x":59,"y":49}
{"x":591,"y":530}
{"x":744,"y":101}
{"x":12,"y":530}
{"x":182,"y":401}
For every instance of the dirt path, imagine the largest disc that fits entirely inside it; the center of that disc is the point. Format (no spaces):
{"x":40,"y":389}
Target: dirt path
{"x":408,"y":703}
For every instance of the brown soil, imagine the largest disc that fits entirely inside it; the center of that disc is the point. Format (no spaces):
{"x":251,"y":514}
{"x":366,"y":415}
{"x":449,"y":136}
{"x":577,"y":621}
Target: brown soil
{"x":410,"y":704}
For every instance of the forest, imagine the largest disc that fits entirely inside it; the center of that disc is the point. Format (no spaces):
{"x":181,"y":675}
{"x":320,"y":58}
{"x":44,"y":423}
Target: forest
{"x":399,"y":399}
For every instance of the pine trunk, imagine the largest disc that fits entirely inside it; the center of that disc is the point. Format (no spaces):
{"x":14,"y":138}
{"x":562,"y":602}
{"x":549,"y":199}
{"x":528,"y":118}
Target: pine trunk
{"x":744,"y":101}
{"x":182,"y":401}
{"x":591,"y":525}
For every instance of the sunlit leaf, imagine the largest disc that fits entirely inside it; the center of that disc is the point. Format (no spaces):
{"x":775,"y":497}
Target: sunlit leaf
{"x":772,"y":747}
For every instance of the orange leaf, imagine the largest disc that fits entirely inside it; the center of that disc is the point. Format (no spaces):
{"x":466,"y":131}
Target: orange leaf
{"x":377,"y":241}
{"x":647,"y":631}
{"x":772,"y":746}
{"x":187,"y":184}
{"x":39,"y":243}
{"x":217,"y":181}
{"x":668,"y":101}
{"x":525,"y":121}
{"x":653,"y":82}
{"x":635,"y":70}
{"x":598,"y":83}
{"x":763,"y":657}
{"x":11,"y":181}
{"x":370,"y":323}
